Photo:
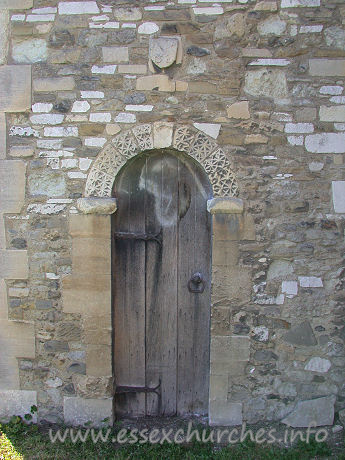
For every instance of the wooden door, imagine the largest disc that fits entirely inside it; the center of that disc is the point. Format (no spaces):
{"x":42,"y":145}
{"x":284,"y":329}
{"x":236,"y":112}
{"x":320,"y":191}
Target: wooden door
{"x":161,"y":236}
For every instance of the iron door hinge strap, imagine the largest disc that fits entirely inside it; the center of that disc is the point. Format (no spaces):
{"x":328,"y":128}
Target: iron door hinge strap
{"x":139,"y":236}
{"x":124,"y":389}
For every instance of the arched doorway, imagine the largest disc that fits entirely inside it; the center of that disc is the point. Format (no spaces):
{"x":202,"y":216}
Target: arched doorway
{"x":161,"y":237}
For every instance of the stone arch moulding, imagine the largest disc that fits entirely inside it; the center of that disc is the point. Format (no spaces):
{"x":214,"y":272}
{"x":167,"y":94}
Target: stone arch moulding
{"x":159,"y":135}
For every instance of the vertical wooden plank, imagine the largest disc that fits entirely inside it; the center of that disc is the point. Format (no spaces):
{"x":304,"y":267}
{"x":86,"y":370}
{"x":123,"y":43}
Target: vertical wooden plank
{"x":120,"y":313}
{"x":161,"y":281}
{"x":202,"y":251}
{"x":186,"y":300}
{"x":194,"y":308}
{"x":135,"y":279}
{"x":130,"y":290}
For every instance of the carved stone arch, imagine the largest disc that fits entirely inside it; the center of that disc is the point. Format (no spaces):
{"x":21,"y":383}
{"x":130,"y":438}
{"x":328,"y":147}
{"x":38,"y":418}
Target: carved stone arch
{"x":152,"y":136}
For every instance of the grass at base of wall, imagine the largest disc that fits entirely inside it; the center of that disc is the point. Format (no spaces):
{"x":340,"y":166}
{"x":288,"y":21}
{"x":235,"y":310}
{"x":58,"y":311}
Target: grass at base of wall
{"x":20,"y":441}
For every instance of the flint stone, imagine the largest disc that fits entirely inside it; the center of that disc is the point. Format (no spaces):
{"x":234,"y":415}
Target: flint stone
{"x":320,"y":411}
{"x":56,"y":345}
{"x":135,"y":98}
{"x":302,"y":334}
{"x":197,"y":51}
{"x":77,"y":368}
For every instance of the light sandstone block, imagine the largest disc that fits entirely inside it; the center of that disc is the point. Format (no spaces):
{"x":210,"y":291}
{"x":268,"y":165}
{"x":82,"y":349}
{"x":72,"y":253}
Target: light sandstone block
{"x":3,"y":35}
{"x":98,"y":360}
{"x":225,"y":206}
{"x":225,"y":349}
{"x":16,"y":4}
{"x":327,"y":67}
{"x":78,"y":411}
{"x":225,"y":413}
{"x":132,"y":69}
{"x":17,"y":402}
{"x":155,"y":82}
{"x":239,"y":110}
{"x":95,"y":226}
{"x":219,"y":387}
{"x":2,"y":136}
{"x":53,"y":84}
{"x":86,"y":293}
{"x":14,"y":264}
{"x":15,"y":88}
{"x":12,"y":189}
{"x":162,"y":134}
{"x":115,"y":54}
{"x":335,"y":114}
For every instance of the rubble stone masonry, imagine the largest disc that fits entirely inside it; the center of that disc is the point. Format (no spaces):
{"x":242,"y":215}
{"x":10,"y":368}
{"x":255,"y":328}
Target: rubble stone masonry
{"x":254,"y":91}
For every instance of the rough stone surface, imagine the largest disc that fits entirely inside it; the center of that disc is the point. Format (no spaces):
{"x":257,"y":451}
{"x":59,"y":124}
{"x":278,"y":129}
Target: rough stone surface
{"x":30,"y":51}
{"x":272,"y":26}
{"x":268,"y":83}
{"x":338,"y":190}
{"x":3,"y":36}
{"x":239,"y":110}
{"x":320,"y":411}
{"x":17,"y":402}
{"x":96,"y":205}
{"x":301,"y":334}
{"x":78,"y":411}
{"x":53,"y":184}
{"x":342,"y":416}
{"x":318,"y":365}
{"x":250,"y":91}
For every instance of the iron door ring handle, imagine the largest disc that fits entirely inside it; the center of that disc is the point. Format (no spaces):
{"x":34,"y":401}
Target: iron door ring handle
{"x":196,"y":284}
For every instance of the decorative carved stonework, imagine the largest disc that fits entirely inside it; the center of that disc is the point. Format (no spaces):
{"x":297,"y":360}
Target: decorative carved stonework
{"x":184,"y":138}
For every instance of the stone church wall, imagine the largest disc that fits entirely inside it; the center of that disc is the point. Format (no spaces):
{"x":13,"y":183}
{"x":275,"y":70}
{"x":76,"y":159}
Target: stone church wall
{"x":260,"y":83}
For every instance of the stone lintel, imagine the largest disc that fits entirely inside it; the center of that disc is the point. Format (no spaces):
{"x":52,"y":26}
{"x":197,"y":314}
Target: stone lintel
{"x":225,"y":205}
{"x":97,"y":205}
